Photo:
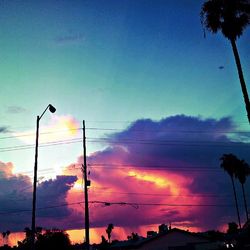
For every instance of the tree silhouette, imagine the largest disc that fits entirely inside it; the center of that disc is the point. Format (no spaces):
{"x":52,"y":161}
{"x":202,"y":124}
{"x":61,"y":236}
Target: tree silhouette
{"x":26,"y":243}
{"x":232,"y":228}
{"x":53,"y":239}
{"x":230,"y":17}
{"x":45,"y":240}
{"x":109,"y":230}
{"x":133,"y":237}
{"x":6,"y":247}
{"x":28,"y":232}
{"x":241,"y":173}
{"x":163,"y":228}
{"x":104,"y":244}
{"x":229,"y":163}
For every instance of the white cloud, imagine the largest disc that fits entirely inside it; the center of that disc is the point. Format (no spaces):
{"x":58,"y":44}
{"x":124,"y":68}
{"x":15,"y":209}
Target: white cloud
{"x":60,"y":128}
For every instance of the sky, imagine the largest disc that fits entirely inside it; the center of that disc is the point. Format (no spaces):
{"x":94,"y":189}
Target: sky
{"x":161,"y":102}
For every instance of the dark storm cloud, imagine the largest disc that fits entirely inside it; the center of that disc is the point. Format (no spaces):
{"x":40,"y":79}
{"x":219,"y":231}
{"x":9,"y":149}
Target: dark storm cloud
{"x":16,"y":199}
{"x":182,"y":142}
{"x":53,"y":192}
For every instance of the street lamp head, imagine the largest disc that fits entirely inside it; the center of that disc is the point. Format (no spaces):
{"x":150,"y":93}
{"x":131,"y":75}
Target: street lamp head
{"x":52,"y":109}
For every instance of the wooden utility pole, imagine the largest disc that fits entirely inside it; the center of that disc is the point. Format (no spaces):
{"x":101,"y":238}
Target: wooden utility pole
{"x":86,"y":184}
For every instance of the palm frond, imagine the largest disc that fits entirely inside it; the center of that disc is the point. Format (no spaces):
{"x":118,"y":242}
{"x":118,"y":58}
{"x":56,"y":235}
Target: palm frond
{"x":230,"y":17}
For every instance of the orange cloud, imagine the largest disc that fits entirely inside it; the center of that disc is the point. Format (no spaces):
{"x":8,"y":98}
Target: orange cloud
{"x":136,"y":186}
{"x":159,"y":181}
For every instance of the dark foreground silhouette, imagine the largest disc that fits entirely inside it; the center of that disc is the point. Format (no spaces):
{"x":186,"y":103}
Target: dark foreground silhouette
{"x":235,"y":238}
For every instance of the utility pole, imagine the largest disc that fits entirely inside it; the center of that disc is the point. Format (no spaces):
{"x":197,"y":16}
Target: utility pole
{"x":86,"y":184}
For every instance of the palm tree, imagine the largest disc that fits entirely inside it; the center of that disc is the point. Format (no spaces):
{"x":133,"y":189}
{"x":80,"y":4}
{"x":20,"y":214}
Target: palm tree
{"x":28,"y":232}
{"x":230,"y":17}
{"x":241,"y":173}
{"x":229,"y":162}
{"x":109,"y":230}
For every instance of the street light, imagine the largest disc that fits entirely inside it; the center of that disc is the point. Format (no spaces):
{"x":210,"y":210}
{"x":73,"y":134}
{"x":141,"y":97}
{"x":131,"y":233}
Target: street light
{"x":52,"y":109}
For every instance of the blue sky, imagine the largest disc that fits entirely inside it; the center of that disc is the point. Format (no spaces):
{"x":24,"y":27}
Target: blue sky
{"x":134,"y":59}
{"x":110,"y":63}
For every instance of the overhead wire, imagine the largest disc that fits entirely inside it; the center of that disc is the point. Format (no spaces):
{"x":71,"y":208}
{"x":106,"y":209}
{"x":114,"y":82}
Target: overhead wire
{"x":129,"y":142}
{"x":93,"y":191}
{"x":121,"y":203}
{"x":111,"y":166}
{"x":238,"y":122}
{"x":53,"y":131}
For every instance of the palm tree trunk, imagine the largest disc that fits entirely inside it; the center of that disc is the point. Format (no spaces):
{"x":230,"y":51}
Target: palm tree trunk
{"x":236,"y":202}
{"x":241,"y":77}
{"x":245,"y":201}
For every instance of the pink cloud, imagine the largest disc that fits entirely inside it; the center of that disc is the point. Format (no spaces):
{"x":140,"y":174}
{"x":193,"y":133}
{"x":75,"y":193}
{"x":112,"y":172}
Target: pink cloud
{"x":166,"y":171}
{"x":154,"y":172}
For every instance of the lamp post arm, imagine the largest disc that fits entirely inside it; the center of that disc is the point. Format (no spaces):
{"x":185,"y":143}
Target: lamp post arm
{"x":39,"y":117}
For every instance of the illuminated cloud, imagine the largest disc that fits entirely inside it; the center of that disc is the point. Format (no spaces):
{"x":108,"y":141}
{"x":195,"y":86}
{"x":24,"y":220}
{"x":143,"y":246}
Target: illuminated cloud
{"x":156,"y":172}
{"x":5,"y":169}
{"x":166,"y":171}
{"x":60,"y":128}
{"x":157,"y":180}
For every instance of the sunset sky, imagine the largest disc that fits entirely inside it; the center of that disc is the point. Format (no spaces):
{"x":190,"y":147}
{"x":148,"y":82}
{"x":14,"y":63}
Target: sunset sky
{"x":161,"y":103}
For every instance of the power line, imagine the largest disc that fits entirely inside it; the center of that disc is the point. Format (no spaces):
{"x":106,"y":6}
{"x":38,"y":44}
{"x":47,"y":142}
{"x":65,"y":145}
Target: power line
{"x":240,"y":122}
{"x":42,"y":133}
{"x":168,"y":142}
{"x":150,"y":167}
{"x":31,"y":146}
{"x":92,"y":191}
{"x":129,"y":167}
{"x":135,"y":140}
{"x":143,"y":142}
{"x":225,"y":131}
{"x":160,"y":204}
{"x":163,"y":195}
{"x":108,"y":203}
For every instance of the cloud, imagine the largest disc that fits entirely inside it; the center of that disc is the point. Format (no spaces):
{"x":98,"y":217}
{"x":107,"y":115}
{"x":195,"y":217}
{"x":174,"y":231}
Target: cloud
{"x":65,"y":127}
{"x":4,"y":129}
{"x":170,"y":168}
{"x":15,"y":110}
{"x":70,"y":38}
{"x":165,"y":171}
{"x":16,"y":200}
